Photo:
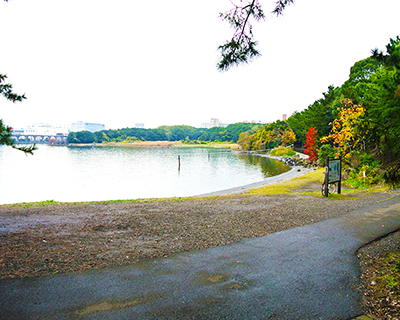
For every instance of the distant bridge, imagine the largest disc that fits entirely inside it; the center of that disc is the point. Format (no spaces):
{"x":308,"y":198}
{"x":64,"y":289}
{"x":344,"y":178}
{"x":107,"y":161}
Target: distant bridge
{"x":58,"y":138}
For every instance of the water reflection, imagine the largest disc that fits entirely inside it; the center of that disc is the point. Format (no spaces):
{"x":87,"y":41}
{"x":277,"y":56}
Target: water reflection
{"x":112,"y":173}
{"x":269,"y":167}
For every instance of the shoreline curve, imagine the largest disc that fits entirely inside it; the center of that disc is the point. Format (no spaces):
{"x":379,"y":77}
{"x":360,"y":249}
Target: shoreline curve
{"x":295,"y":172}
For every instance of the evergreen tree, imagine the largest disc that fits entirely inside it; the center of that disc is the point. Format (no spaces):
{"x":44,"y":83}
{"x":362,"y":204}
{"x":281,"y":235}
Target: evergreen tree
{"x":6,"y":90}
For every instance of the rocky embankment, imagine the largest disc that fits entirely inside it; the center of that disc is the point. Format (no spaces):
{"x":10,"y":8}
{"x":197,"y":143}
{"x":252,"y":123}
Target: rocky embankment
{"x":300,"y":160}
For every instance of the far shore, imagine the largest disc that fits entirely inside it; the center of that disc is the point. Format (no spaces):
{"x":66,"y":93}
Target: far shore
{"x":159,"y":144}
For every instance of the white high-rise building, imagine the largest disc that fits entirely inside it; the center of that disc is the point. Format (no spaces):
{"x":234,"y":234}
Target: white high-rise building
{"x":214,"y":122}
{"x":86,"y":126}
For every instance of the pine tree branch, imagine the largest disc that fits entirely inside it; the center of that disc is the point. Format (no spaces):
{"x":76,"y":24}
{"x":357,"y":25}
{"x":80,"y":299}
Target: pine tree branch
{"x":250,"y":6}
{"x":242,"y":48}
{"x":6,"y":90}
{"x":281,"y":5}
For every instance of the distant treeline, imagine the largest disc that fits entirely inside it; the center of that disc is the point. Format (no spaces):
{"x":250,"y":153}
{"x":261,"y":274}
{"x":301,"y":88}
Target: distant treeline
{"x":166,"y":133}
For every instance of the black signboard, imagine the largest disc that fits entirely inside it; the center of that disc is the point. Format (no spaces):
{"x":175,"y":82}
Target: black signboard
{"x":333,"y":174}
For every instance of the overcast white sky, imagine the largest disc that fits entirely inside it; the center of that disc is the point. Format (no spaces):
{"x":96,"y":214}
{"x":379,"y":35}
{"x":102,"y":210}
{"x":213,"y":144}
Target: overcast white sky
{"x":123,"y":62}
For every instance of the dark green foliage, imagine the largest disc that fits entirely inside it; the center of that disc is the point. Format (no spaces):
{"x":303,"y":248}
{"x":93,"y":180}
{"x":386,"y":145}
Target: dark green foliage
{"x":72,"y":138}
{"x":392,"y":56}
{"x":281,"y":5}
{"x":360,"y":74}
{"x":7,"y":92}
{"x":229,"y":134}
{"x":326,"y":150}
{"x":5,"y":135}
{"x":236,"y":52}
{"x":81,"y":137}
{"x":319,"y":115}
{"x":163,"y":133}
{"x":168,"y":133}
{"x":234,"y":130}
{"x":85,"y":137}
{"x":176,"y":133}
{"x":365,"y":170}
{"x":392,"y":175}
{"x":382,"y":102}
{"x":5,"y":139}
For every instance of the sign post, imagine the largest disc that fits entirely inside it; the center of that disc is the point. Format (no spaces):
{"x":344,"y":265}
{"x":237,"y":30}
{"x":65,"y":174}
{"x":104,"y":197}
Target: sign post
{"x":333,"y":173}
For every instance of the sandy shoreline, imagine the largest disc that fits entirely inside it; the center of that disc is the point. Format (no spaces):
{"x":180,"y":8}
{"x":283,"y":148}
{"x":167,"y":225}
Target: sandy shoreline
{"x":295,"y":172}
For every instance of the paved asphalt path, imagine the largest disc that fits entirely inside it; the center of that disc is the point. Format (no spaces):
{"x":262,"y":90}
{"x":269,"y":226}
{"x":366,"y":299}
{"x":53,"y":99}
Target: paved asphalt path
{"x":309,"y":272}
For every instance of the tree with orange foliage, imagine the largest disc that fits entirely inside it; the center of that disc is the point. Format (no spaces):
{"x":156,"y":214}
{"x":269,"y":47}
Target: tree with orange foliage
{"x":288,"y":137}
{"x":346,"y":133}
{"x":311,"y":144}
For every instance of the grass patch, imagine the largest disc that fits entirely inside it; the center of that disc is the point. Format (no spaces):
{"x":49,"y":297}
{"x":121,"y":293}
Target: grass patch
{"x":282,"y":152}
{"x":287,"y":186}
{"x":52,"y":202}
{"x":388,"y":275}
{"x":315,"y":177}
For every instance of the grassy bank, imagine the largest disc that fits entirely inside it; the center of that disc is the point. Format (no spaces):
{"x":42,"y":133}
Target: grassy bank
{"x":311,"y":178}
{"x":310,"y":183}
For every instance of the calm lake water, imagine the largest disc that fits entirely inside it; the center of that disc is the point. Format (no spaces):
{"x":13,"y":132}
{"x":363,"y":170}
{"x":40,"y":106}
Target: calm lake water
{"x":113,"y":173}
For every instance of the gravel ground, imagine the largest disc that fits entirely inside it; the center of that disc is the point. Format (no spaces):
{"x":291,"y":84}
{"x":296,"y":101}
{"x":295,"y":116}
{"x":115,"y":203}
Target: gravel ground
{"x":63,"y":238}
{"x":380,"y":265}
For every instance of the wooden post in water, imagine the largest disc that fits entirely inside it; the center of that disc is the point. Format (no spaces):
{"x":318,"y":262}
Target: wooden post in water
{"x":179,"y":162}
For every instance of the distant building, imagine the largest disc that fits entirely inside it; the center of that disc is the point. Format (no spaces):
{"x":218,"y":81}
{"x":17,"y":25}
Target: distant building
{"x":214,"y":122}
{"x":139,"y":125}
{"x":41,"y":129}
{"x":284,"y":116}
{"x":252,"y":121}
{"x":85,"y":126}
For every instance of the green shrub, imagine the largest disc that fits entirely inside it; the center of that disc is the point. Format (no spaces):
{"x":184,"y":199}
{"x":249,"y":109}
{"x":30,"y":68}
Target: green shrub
{"x":366,"y":171}
{"x":326,"y":150}
{"x":282,"y":152}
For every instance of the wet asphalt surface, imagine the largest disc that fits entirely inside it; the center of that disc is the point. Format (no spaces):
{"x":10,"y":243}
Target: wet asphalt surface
{"x":310,"y":272}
